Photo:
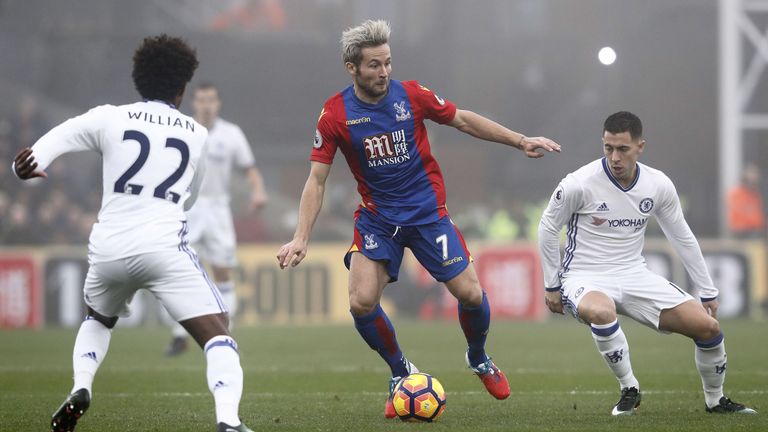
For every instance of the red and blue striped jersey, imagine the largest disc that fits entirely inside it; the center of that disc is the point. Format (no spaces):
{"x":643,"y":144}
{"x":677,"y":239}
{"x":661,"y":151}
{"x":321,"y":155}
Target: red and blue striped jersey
{"x":387,"y":149}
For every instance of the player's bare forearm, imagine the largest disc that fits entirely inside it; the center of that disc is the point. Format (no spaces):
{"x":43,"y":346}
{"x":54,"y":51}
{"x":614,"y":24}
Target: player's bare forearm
{"x":486,"y":129}
{"x":293,"y":252}
{"x":309,"y":207}
{"x":258,"y":192}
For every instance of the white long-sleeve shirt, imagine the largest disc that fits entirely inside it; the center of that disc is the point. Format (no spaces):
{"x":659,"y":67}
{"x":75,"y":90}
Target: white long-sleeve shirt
{"x":153,"y":164}
{"x":227,"y":148}
{"x":606,"y":225}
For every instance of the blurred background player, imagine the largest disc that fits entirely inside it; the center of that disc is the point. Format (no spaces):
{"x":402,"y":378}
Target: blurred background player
{"x":746,"y":214}
{"x":211,"y":229}
{"x":153,"y":163}
{"x":378,"y":124}
{"x":606,"y":205}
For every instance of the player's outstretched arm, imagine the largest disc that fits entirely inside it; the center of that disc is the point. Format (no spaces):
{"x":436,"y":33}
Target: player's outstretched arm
{"x":293,"y":253}
{"x":24,"y":165}
{"x":79,"y":133}
{"x":486,"y":129}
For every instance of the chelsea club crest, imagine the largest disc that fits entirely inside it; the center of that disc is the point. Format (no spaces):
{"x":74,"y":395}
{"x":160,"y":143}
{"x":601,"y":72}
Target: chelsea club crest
{"x":646,"y":205}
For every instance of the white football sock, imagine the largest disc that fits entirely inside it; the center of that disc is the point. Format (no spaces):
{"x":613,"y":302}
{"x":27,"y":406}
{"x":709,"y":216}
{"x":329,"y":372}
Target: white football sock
{"x":711,"y":359}
{"x":90,"y":348}
{"x":612,"y":344}
{"x":225,"y":378}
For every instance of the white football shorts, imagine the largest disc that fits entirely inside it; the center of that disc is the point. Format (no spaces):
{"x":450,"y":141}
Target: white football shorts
{"x":639,"y":294}
{"x":174,"y":277}
{"x":212,"y":233}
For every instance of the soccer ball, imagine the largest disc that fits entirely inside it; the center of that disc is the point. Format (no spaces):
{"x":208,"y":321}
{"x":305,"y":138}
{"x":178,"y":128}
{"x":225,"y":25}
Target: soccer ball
{"x":419,"y":397}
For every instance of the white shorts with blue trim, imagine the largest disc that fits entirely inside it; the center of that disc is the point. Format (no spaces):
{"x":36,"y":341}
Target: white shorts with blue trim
{"x":639,"y":294}
{"x":174,"y":277}
{"x":212,"y":233}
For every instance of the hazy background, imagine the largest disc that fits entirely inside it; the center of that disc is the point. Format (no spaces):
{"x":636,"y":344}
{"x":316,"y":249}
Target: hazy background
{"x":529,"y":64}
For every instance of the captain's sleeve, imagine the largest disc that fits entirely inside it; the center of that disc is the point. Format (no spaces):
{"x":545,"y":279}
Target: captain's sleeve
{"x":326,"y":138}
{"x":77,"y":134}
{"x":435,"y":108}
{"x":676,"y":229}
{"x":563,"y":203}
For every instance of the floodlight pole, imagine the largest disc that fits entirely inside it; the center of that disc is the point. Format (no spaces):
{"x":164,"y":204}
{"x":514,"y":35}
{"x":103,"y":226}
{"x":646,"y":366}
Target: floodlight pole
{"x":737,"y":87}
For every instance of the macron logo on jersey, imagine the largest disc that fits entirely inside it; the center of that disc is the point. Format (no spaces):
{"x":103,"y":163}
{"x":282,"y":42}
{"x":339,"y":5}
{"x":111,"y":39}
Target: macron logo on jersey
{"x":386,"y":149}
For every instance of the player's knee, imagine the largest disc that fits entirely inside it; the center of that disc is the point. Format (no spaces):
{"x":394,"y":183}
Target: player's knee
{"x":361,"y":306}
{"x":600,"y":315}
{"x":710,"y":329}
{"x":471,"y":297}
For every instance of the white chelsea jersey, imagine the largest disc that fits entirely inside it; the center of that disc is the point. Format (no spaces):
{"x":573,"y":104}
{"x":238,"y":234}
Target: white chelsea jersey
{"x":153,"y":163}
{"x":227,"y":147}
{"x":606,"y":225}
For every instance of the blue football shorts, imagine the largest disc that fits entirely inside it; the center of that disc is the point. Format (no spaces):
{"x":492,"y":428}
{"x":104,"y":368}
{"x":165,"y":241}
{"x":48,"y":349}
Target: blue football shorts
{"x":438,"y":246}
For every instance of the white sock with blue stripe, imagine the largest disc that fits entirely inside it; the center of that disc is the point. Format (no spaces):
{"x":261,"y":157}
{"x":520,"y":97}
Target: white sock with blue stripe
{"x":225,"y":378}
{"x":612,"y":344}
{"x":710,"y":361}
{"x":90,"y":348}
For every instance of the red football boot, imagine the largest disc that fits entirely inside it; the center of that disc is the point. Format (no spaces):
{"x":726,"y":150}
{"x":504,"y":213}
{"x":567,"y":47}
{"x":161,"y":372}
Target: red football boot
{"x":389,"y":407}
{"x":493,"y":379}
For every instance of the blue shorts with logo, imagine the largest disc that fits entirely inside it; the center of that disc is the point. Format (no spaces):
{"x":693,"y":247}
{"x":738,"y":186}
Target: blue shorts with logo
{"x":438,"y":246}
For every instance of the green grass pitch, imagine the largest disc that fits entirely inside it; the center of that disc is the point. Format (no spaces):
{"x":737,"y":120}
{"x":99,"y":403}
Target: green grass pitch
{"x":324,"y":378}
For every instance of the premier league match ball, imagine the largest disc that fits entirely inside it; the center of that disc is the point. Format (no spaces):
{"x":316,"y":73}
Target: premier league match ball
{"x":419,"y":397}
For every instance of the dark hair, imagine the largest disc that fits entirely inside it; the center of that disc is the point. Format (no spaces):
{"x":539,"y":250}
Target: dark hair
{"x":206,"y":85}
{"x":624,"y":121}
{"x":162,"y":67}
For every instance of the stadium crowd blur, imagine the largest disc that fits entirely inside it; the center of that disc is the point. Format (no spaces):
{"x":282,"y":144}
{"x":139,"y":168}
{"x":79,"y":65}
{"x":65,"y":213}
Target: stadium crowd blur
{"x":57,"y":214}
{"x":746,"y":211}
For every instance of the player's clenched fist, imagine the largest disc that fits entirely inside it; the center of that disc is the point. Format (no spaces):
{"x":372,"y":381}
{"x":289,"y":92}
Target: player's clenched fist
{"x":24,"y":165}
{"x":554,"y":302}
{"x":292,"y":253}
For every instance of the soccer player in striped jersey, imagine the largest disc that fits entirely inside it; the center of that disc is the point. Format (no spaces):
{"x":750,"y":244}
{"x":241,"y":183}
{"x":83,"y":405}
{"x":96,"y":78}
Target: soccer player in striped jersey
{"x":153,"y":163}
{"x":379,"y":125}
{"x":606,"y":205}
